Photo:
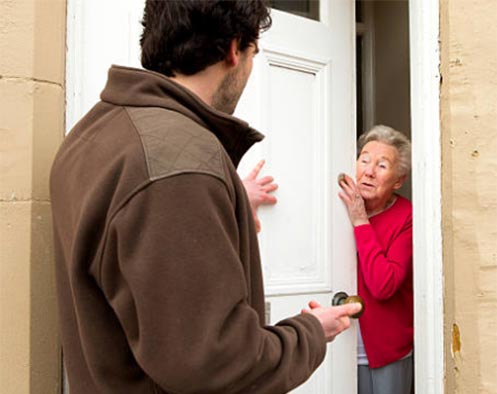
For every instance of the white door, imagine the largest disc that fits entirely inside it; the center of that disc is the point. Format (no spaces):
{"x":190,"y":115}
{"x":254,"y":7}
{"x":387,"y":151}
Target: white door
{"x":301,"y":95}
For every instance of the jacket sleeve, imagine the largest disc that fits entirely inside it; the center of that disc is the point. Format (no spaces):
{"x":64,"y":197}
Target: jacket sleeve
{"x":384,"y":271}
{"x":178,"y":288}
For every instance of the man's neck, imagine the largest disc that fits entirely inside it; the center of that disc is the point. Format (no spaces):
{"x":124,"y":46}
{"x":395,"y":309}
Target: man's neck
{"x":204,"y":83}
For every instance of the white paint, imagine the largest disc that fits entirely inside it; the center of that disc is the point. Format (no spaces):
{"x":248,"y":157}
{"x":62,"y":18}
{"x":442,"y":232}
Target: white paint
{"x":295,"y":103}
{"x":426,"y":176}
{"x":99,"y":34}
{"x":302,"y":95}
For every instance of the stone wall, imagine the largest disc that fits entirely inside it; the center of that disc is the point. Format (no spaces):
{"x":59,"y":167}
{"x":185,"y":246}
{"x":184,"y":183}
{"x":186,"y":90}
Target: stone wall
{"x":469,"y":170}
{"x":32,"y":61}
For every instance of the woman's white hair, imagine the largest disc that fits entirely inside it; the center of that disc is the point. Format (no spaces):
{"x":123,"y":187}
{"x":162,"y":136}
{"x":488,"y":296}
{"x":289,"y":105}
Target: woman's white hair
{"x":392,"y":137}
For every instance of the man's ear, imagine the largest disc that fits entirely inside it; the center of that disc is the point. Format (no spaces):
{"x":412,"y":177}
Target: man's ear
{"x":399,"y":182}
{"x":234,"y":53}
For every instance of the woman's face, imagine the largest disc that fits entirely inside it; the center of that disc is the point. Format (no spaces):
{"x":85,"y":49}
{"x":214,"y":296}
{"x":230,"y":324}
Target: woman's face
{"x":377,"y":174}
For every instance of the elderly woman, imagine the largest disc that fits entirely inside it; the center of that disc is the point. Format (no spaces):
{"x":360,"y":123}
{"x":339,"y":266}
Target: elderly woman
{"x":382,"y":223}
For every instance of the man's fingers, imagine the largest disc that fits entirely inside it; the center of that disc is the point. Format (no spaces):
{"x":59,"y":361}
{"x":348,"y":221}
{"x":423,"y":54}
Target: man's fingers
{"x":255,"y":171}
{"x":314,"y":304}
{"x":265,"y":180}
{"x":270,"y":188}
{"x":269,"y":199}
{"x":257,"y":223}
{"x":348,"y":309}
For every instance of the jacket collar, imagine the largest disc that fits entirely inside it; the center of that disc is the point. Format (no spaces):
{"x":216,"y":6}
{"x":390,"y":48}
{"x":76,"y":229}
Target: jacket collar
{"x":134,"y":87}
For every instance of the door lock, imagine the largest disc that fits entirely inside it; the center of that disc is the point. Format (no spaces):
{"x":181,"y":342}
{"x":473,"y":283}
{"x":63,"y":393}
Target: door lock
{"x":342,"y":298}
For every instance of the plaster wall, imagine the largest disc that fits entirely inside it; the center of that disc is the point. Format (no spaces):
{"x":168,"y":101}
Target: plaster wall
{"x":468,"y":36}
{"x":32,"y":56}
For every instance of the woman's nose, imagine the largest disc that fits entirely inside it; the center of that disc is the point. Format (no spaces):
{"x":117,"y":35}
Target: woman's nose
{"x":369,"y":171}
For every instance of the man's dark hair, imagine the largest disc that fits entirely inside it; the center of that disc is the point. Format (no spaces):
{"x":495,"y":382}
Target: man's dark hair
{"x":186,"y":36}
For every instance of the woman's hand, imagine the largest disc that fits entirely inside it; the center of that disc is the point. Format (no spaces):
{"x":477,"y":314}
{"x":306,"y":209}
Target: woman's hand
{"x":353,"y":201}
{"x":258,"y":191}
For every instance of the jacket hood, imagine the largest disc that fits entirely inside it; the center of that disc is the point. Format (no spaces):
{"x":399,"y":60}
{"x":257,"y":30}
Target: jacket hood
{"x":132,"y":87}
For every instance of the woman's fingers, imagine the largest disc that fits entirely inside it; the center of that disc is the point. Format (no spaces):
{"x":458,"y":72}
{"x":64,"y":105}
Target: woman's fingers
{"x":350,"y":188}
{"x":346,"y":198}
{"x":346,"y":183}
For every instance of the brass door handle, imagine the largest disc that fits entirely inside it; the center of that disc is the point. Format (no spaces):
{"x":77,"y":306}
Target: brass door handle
{"x":342,"y":297}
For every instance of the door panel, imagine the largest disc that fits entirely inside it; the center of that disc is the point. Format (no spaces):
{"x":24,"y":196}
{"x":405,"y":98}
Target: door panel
{"x":295,"y":150}
{"x":301,"y":95}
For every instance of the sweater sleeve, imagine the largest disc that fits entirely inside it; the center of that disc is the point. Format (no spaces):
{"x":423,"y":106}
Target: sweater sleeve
{"x":384,"y":271}
{"x":180,"y":294}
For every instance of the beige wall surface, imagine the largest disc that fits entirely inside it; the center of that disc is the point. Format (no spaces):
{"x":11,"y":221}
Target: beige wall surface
{"x":32,"y":56}
{"x":469,"y":166}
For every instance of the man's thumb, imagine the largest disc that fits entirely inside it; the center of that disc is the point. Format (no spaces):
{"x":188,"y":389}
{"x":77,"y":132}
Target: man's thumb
{"x":349,"y":309}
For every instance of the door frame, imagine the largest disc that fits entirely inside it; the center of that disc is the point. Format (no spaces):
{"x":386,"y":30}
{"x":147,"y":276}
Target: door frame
{"x":426,"y":179}
{"x":427,"y":196}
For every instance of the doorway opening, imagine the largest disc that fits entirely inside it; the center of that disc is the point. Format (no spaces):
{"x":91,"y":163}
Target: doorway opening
{"x":383,"y":77}
{"x":382,"y":68}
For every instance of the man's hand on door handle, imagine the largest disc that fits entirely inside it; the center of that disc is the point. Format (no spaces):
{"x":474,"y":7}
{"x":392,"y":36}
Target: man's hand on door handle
{"x":333,"y":319}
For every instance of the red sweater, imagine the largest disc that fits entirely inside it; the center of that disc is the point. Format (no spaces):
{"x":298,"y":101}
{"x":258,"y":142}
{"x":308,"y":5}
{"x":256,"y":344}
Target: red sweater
{"x":385,"y":283}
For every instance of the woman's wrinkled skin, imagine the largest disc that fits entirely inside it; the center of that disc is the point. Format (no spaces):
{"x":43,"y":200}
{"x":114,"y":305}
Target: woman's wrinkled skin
{"x":377,"y":179}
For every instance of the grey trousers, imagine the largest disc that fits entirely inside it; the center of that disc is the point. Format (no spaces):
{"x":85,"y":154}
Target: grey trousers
{"x":394,"y":378}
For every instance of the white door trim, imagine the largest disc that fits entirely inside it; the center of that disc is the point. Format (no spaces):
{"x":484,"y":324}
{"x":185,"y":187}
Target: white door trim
{"x":427,"y":201}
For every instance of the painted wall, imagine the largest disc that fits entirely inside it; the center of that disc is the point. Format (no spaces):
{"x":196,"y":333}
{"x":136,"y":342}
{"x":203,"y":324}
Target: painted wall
{"x":469,"y":166}
{"x":32,"y":50}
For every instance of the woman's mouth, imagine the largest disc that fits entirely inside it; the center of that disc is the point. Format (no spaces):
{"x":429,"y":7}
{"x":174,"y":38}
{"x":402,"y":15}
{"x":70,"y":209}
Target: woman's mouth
{"x":367,"y":185}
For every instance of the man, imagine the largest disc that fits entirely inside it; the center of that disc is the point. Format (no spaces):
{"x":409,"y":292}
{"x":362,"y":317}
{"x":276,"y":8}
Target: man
{"x":158,"y":271}
{"x":259,"y":191}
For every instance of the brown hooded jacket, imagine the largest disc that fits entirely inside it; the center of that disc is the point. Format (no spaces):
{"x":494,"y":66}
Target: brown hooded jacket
{"x":158,"y":269}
